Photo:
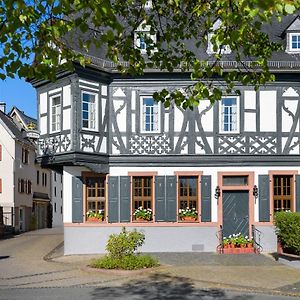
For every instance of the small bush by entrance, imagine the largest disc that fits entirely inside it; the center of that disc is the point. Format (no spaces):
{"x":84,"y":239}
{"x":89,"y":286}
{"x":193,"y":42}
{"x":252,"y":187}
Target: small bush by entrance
{"x":288,"y":231}
{"x":122,"y":253}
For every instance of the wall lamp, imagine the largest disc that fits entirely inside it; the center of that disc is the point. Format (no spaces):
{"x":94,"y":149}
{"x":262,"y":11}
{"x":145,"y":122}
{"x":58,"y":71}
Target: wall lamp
{"x":217,"y":192}
{"x":255,"y":191}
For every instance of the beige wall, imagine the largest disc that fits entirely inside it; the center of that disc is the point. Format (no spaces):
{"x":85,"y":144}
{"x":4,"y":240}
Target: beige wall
{"x":7,"y":168}
{"x":24,"y":171}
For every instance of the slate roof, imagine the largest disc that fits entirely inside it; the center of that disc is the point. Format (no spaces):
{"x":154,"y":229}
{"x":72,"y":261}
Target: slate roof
{"x":280,"y":60}
{"x":12,"y":127}
{"x":26,"y":119}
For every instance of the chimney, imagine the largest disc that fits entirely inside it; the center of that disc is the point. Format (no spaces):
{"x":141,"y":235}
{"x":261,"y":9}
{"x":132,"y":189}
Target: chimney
{"x":3,"y":106}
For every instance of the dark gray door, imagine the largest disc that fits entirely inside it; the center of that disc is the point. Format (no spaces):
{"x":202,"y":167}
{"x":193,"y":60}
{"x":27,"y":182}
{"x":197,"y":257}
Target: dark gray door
{"x":235,"y":212}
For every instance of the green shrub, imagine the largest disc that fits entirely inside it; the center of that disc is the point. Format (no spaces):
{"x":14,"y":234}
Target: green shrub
{"x":125,"y":243}
{"x":128,"y":262}
{"x":121,"y":252}
{"x":288,"y":230}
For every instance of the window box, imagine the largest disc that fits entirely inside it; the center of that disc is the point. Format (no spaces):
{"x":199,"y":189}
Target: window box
{"x":141,"y":220}
{"x":242,"y":250}
{"x":188,"y":219}
{"x":95,"y":219}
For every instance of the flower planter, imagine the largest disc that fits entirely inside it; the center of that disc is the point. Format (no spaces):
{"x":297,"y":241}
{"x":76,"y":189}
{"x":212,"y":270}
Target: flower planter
{"x":188,"y":219}
{"x":242,"y":250}
{"x":141,"y":220}
{"x":94,"y":219}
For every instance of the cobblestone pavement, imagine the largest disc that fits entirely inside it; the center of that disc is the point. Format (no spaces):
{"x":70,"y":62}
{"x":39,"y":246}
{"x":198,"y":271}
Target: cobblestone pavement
{"x":29,"y":261}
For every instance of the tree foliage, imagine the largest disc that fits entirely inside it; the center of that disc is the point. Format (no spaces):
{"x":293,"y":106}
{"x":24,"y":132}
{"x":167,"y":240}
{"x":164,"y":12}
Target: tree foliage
{"x":38,"y":37}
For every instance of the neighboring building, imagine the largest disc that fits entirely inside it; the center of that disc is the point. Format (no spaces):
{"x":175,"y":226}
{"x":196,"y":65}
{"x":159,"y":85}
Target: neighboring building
{"x":236,"y":162}
{"x":57,"y":198}
{"x":17,"y":175}
{"x":45,"y":200}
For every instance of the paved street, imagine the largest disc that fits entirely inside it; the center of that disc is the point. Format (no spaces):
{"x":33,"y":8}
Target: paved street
{"x":29,"y":269}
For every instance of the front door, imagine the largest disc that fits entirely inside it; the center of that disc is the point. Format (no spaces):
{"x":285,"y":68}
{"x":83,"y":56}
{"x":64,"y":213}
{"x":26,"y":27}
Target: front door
{"x":235,"y":212}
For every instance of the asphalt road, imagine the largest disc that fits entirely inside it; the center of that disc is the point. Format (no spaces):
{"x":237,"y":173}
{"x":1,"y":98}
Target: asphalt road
{"x":141,"y":292}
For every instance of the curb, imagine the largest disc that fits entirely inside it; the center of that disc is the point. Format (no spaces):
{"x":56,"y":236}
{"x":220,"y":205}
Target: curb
{"x":48,"y":257}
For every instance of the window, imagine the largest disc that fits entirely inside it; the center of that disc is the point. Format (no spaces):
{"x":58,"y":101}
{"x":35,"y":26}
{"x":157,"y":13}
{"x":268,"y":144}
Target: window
{"x":29,"y":186}
{"x":55,"y":191}
{"x":25,"y":156}
{"x":229,"y":115}
{"x":188,"y":192}
{"x":95,"y":193}
{"x":54,"y":207}
{"x":37,"y":177}
{"x":55,"y":176}
{"x":21,"y":186}
{"x":89,"y":111}
{"x":222,"y":49}
{"x":150,"y":115}
{"x":235,"y":180}
{"x":55,"y":113}
{"x":44,"y":179}
{"x":293,"y":42}
{"x":143,"y":39}
{"x":61,"y":194}
{"x":283,"y":192}
{"x":142,"y":191}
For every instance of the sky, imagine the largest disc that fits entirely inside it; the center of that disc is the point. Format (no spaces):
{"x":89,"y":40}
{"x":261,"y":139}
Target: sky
{"x":17,"y":92}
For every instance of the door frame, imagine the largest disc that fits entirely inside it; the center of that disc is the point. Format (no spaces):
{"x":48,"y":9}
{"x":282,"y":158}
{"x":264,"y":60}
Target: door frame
{"x":248,"y":188}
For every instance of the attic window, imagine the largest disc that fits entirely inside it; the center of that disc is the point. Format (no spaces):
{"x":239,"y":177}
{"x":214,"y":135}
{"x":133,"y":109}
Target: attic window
{"x":142,"y":36}
{"x":295,"y":41}
{"x":222,"y":49}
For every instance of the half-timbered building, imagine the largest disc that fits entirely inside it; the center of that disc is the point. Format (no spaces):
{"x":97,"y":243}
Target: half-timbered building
{"x":235,"y":162}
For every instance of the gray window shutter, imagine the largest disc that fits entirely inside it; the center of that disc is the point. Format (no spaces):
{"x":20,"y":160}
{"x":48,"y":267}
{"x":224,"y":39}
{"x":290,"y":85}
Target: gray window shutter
{"x":124,"y":198}
{"x":206,"y":198}
{"x":77,"y":201}
{"x":297,"y":202}
{"x":160,"y":199}
{"x":171,"y":196}
{"x":264,"y":198}
{"x":113,"y":199}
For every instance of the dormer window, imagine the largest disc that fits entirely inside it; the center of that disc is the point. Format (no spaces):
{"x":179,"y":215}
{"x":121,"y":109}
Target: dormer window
{"x":142,"y":36}
{"x":293,"y":37}
{"x":222,"y":49}
{"x":295,"y":41}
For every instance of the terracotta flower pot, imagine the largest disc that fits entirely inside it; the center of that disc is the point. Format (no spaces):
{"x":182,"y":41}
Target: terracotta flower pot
{"x":94,"y":219}
{"x":188,"y":219}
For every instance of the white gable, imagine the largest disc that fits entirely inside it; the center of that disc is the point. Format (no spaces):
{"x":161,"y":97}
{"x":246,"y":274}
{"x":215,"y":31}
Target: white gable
{"x":290,"y":92}
{"x":295,"y":25}
{"x":119,"y":93}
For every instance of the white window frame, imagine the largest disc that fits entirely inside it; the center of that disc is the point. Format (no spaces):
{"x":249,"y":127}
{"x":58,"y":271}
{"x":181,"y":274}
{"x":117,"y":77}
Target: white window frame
{"x":290,"y":49}
{"x":143,"y":120}
{"x":58,"y":111}
{"x":95,"y":127}
{"x":221,"y":125}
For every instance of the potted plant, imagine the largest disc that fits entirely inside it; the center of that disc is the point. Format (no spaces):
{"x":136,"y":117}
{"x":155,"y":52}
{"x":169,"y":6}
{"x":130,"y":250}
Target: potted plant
{"x":92,"y":216}
{"x":143,"y":214}
{"x":226,"y":242}
{"x":237,"y":243}
{"x":188,"y":214}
